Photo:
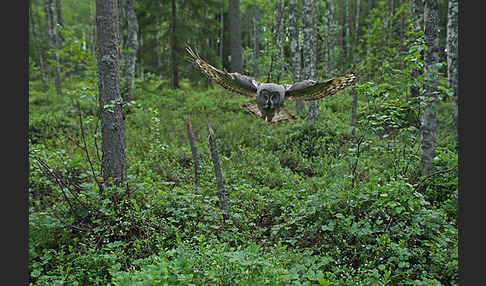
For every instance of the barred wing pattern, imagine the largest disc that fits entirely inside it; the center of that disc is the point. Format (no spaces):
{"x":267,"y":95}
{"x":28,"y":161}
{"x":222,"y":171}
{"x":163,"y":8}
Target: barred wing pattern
{"x":312,"y":90}
{"x":234,"y":82}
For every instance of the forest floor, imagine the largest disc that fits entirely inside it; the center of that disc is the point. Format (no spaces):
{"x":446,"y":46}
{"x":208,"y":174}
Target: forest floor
{"x":307,"y":206}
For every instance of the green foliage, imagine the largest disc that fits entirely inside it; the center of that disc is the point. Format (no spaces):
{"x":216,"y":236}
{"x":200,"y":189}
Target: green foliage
{"x":307,"y":205}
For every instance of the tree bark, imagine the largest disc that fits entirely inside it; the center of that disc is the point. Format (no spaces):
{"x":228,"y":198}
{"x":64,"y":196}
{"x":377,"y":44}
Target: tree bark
{"x":235,"y":36}
{"x":60,"y":21}
{"x":256,"y":39}
{"x":453,"y":54}
{"x":417,"y":12}
{"x":37,"y":49}
{"x":428,"y":119}
{"x":132,"y":46}
{"x":53,"y":43}
{"x":113,"y":162}
{"x":217,"y":169}
{"x":309,"y":70}
{"x":195,"y":155}
{"x":295,"y":49}
{"x":174,"y":82}
{"x":354,"y":105}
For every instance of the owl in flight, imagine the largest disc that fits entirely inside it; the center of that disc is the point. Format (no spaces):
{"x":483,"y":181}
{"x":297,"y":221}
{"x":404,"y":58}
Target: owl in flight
{"x":268,"y":99}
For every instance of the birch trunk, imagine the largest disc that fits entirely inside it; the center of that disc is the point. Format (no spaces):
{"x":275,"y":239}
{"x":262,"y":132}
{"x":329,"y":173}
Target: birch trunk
{"x":256,"y":41}
{"x":428,"y":119}
{"x":417,"y":12}
{"x":37,"y":49}
{"x":113,"y":162}
{"x":354,"y":105}
{"x":53,"y":43}
{"x":132,"y":46}
{"x":453,"y":54}
{"x":309,"y":71}
{"x":294,"y":48}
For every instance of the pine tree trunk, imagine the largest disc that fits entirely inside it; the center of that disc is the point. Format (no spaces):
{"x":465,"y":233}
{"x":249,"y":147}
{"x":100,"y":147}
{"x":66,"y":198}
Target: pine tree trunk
{"x":53,"y":43}
{"x":453,"y":54}
{"x":235,"y":35}
{"x":174,"y":81}
{"x":113,"y":162}
{"x":431,"y":57}
{"x":294,"y":48}
{"x":309,"y":71}
{"x":132,"y":46}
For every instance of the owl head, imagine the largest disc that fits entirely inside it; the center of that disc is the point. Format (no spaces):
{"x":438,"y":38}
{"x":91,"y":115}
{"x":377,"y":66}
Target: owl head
{"x":270,"y":95}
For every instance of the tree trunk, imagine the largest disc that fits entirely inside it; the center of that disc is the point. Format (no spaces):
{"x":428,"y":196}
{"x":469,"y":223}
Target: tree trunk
{"x":328,"y":23}
{"x":174,"y":81}
{"x":347,"y":38}
{"x":53,"y":43}
{"x":195,"y":155}
{"x":37,"y":49}
{"x":221,"y":37}
{"x":417,"y":12}
{"x":235,"y":35}
{"x":309,"y":71}
{"x":113,"y":162}
{"x":256,"y":40}
{"x":428,"y":119}
{"x":294,"y":48}
{"x":402,"y":26}
{"x":132,"y":46}
{"x":217,"y":168}
{"x":354,"y":105}
{"x":453,"y":54}
{"x":60,"y":21}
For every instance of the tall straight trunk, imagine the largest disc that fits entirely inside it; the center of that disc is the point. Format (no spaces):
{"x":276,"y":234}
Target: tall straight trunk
{"x":341,"y":28}
{"x":453,"y":54}
{"x":294,"y":48}
{"x":328,"y":23}
{"x":277,"y":36}
{"x":37,"y":49}
{"x":235,"y":36}
{"x":417,"y":15}
{"x":132,"y":46}
{"x":174,"y":80}
{"x":347,"y":38}
{"x":60,"y":21}
{"x":431,"y":73}
{"x":113,"y":162}
{"x":402,"y":26}
{"x":221,"y":36}
{"x":309,"y":71}
{"x":53,"y":43}
{"x":256,"y":39}
{"x":354,"y":105}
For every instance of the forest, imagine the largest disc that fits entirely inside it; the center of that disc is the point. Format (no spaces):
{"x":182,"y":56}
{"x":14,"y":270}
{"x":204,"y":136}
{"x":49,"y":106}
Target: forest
{"x":143,"y":170}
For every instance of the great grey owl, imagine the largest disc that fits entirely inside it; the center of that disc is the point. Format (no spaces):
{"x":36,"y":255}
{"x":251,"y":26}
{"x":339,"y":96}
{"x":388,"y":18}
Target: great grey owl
{"x":269,"y":98}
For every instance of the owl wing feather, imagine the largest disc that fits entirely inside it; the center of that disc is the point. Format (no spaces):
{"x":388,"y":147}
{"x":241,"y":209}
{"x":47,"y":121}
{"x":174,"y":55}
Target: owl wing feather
{"x":234,"y":82}
{"x":312,"y":90}
{"x":283,"y":114}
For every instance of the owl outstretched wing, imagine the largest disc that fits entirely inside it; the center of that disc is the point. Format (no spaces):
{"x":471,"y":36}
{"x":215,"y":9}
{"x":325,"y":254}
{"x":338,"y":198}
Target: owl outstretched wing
{"x":234,"y":82}
{"x":312,"y":90}
{"x":283,"y":115}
